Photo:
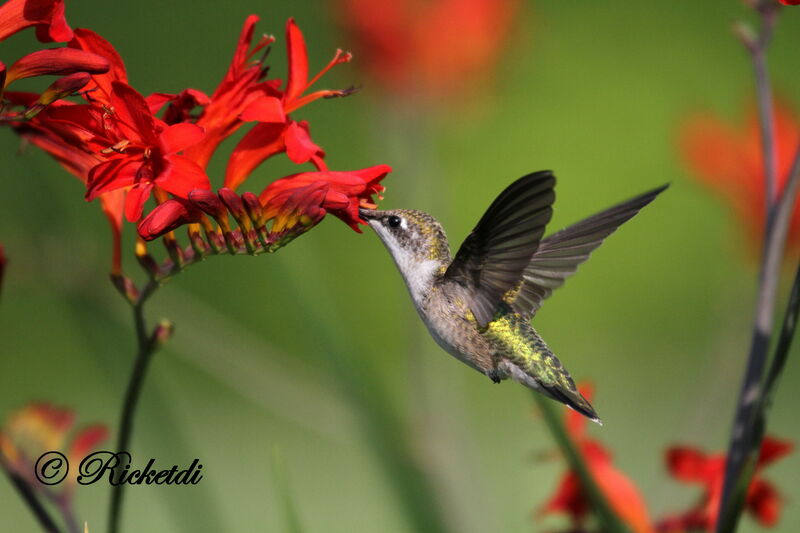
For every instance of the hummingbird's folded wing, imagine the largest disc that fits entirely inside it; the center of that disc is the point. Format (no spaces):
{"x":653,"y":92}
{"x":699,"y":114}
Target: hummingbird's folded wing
{"x":559,"y":254}
{"x":492,"y":258}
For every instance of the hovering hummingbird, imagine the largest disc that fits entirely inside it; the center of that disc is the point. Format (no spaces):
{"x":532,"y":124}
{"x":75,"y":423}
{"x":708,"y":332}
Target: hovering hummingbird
{"x":478,"y":305}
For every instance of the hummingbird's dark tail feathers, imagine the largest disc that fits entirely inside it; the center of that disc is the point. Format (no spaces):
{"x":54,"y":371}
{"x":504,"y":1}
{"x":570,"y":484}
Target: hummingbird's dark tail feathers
{"x":560,"y":254}
{"x":567,"y":393}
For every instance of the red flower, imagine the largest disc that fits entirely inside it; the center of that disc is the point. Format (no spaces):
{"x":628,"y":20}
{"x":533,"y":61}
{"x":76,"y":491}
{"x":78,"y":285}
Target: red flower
{"x":695,"y":466}
{"x":146,"y":155}
{"x":790,"y":2}
{"x":58,"y":61}
{"x":438,"y":48}
{"x":276,"y":132}
{"x":345,"y":191}
{"x":46,"y":15}
{"x":729,"y":160}
{"x":619,"y":491}
{"x":240,"y":86}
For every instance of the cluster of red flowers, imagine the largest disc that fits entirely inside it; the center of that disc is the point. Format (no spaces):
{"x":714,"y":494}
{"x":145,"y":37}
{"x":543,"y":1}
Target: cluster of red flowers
{"x":685,"y":463}
{"x":127,"y":147}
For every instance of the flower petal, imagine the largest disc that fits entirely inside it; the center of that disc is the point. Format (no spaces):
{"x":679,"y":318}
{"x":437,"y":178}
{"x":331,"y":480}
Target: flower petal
{"x":166,"y":217}
{"x":298,"y":61}
{"x":135,"y":199}
{"x":265,"y":109}
{"x":299,"y":146}
{"x":46,"y":15}
{"x":133,"y":114}
{"x":59,"y":62}
{"x":110,"y":175}
{"x":180,"y":136}
{"x":91,"y":42}
{"x":182,"y":175}
{"x":260,"y":143}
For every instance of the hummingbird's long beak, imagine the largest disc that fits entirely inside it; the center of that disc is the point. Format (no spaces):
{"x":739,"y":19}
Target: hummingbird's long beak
{"x":366,"y":214}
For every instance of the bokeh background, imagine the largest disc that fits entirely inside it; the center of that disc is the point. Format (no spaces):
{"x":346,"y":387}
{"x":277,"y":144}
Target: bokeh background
{"x":317,"y":350}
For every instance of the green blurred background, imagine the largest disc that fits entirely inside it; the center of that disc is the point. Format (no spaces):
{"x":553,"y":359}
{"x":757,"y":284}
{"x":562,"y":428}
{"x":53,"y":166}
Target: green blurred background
{"x":317,"y":350}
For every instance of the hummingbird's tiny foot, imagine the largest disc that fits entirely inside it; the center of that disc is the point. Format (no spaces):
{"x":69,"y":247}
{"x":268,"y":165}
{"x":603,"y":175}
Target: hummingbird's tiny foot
{"x":494,"y":375}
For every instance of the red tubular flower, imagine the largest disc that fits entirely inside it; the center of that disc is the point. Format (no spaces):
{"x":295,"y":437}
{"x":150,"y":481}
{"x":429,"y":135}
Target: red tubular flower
{"x":345,"y":192}
{"x":46,"y":15}
{"x":730,"y":161}
{"x":39,"y":428}
{"x":619,"y":491}
{"x":146,"y":155}
{"x":240,"y":86}
{"x":166,"y":217}
{"x":790,"y":2}
{"x":438,"y":48}
{"x":276,"y":132}
{"x":691,"y":465}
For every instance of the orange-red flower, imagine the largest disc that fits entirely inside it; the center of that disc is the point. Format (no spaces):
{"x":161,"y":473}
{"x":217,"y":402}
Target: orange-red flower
{"x":691,"y":465}
{"x":790,"y":2}
{"x":619,"y":491}
{"x":144,"y":154}
{"x":729,"y":160}
{"x":437,"y":48}
{"x":344,"y":192}
{"x":40,"y":427}
{"x":276,"y":131}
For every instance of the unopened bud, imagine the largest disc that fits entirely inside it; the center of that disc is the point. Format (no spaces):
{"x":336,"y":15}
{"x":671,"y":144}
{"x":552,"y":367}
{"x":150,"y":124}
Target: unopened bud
{"x":125,"y":286}
{"x":163,"y":332}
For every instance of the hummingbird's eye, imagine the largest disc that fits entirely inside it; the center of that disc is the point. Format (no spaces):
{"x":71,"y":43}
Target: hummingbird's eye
{"x":394,"y":221}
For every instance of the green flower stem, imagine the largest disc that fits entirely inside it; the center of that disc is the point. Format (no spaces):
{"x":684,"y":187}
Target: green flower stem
{"x":608,"y":520}
{"x":29,"y":496}
{"x":147,"y":346}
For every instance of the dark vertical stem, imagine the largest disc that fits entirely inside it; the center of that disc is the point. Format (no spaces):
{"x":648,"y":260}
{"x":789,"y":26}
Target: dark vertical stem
{"x":147,"y":345}
{"x":746,"y":436}
{"x":758,"y":50}
{"x":26,"y":491}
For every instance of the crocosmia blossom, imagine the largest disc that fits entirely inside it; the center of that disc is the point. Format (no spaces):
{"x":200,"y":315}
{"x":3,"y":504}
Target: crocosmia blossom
{"x":790,"y":2}
{"x":437,"y":48}
{"x":728,"y":159}
{"x":128,"y":148}
{"x":38,"y":428}
{"x":619,"y":491}
{"x":690,"y":465}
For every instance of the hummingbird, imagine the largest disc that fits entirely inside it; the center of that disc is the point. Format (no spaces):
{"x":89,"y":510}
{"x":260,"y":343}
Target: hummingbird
{"x":478,"y":305}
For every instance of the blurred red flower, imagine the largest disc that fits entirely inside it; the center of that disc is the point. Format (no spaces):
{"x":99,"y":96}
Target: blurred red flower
{"x":38,"y":428}
{"x":438,"y":48}
{"x":619,"y":491}
{"x":729,"y":160}
{"x":695,"y":466}
{"x":790,"y":2}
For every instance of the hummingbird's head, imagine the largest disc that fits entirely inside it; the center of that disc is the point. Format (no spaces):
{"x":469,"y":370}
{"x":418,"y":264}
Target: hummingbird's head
{"x":416,"y":242}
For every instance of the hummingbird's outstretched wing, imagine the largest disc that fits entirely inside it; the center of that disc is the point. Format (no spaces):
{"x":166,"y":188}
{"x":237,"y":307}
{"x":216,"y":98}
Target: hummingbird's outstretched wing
{"x":559,"y":254}
{"x":492,"y":258}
